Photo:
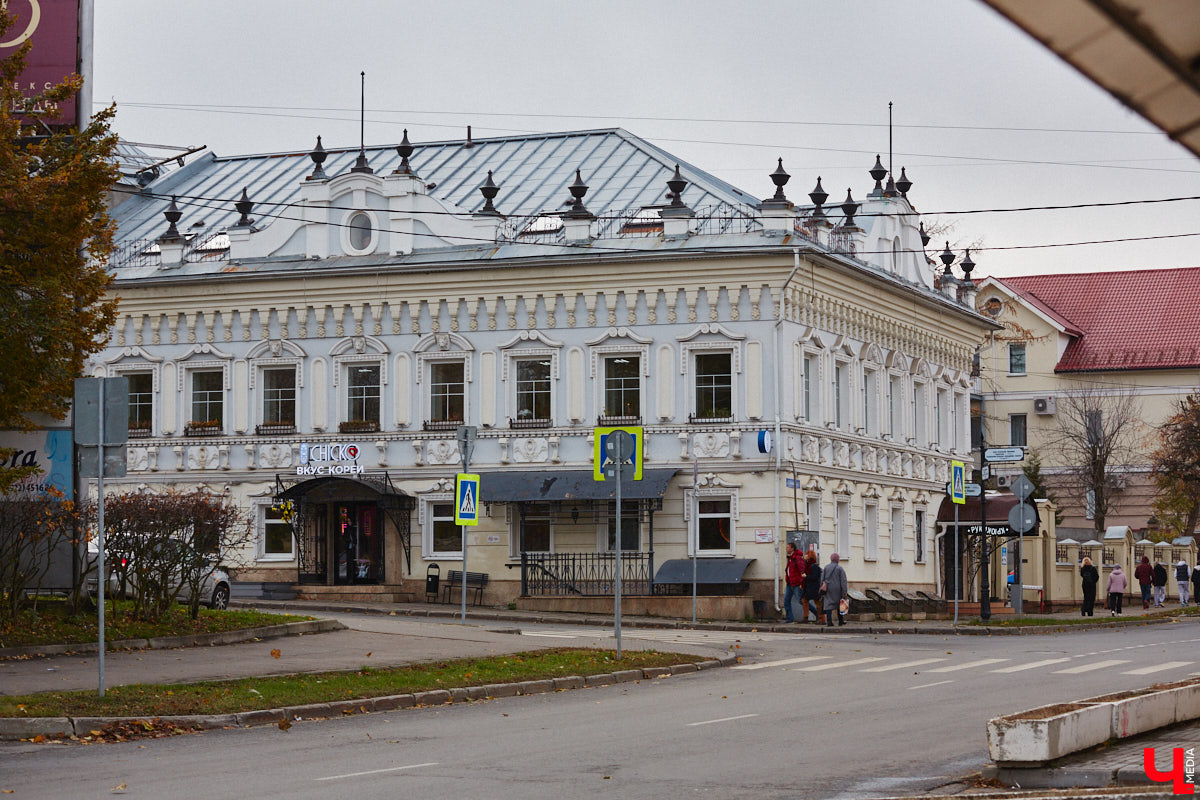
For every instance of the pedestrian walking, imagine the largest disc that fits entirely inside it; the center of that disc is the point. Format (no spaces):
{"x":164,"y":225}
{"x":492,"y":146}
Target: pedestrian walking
{"x":1115,"y":589}
{"x":1090,"y":577}
{"x":1160,"y":584}
{"x":1145,"y":577}
{"x":812,"y":586}
{"x":1183,"y":577}
{"x":794,"y":572}
{"x":1196,"y":580}
{"x":834,"y":585}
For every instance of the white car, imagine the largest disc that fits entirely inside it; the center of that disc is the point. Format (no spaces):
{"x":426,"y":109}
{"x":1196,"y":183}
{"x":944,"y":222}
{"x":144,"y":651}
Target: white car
{"x":214,"y":586}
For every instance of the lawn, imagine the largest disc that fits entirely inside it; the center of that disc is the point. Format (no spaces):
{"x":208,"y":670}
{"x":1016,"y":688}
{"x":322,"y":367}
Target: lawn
{"x":248,"y":694}
{"x":51,"y":622}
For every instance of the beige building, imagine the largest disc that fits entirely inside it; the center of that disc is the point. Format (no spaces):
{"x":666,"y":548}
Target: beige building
{"x":318,"y":348}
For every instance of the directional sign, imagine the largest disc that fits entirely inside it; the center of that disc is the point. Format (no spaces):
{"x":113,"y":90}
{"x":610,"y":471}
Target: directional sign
{"x":969,"y":490}
{"x":1004,"y":454}
{"x":466,"y":499}
{"x":600,"y":450}
{"x":958,"y":481}
{"x":1022,"y":518}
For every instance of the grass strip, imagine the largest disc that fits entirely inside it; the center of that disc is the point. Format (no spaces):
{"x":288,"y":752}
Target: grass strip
{"x":250,"y":694}
{"x":51,"y":622}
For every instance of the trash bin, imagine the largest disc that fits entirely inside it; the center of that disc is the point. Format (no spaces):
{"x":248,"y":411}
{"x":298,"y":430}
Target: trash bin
{"x":433,"y":579}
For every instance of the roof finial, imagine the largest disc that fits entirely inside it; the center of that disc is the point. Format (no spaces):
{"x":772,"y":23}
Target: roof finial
{"x":849,"y":208}
{"x":244,"y":207}
{"x":878,"y":172}
{"x":318,"y":156}
{"x":489,"y":190}
{"x":780,"y":178}
{"x":405,"y":149}
{"x":173,"y":214}
{"x":818,"y":197}
{"x":677,"y":184}
{"x":360,"y":163}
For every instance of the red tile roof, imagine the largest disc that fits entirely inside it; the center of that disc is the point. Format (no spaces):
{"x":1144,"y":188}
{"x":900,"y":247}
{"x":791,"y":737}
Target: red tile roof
{"x":1139,"y":319}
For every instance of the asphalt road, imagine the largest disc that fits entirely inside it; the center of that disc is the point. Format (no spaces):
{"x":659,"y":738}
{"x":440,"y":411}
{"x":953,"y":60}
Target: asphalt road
{"x":804,"y":716}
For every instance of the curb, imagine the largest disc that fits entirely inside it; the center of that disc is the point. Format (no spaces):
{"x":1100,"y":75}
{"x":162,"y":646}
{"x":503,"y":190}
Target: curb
{"x":904,"y":627}
{"x":21,"y":728}
{"x":191,"y":640}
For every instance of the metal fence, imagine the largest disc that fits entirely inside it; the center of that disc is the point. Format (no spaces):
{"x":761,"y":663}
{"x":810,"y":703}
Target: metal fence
{"x":586,"y":574}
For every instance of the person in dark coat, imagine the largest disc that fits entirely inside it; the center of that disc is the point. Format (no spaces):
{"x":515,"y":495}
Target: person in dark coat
{"x":1160,"y":584}
{"x":835,"y":586}
{"x":1196,"y":580}
{"x":812,"y":586}
{"x":794,"y":569}
{"x":1090,"y":577}
{"x":1145,"y":577}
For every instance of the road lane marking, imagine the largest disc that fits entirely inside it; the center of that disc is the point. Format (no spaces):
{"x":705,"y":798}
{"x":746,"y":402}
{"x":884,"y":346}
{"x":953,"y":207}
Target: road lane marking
{"x":1033,"y":665}
{"x":1158,"y":668}
{"x":782,"y":663}
{"x":1090,"y":667}
{"x":550,"y":635}
{"x":983,"y":662}
{"x":836,"y":664}
{"x":375,"y":771}
{"x":927,"y":685}
{"x":722,"y":719}
{"x":902,"y":666}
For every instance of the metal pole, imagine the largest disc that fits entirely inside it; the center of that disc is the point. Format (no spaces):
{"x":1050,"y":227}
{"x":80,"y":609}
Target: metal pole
{"x":696,"y":527}
{"x":100,"y":577}
{"x":985,"y":589}
{"x":617,"y":587}
{"x":957,"y":564}
{"x":466,"y":462}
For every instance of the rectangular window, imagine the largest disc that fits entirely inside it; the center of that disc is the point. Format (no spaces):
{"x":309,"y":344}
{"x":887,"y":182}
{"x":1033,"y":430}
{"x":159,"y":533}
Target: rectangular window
{"x":870,"y":531}
{"x":622,"y":387}
{"x":810,"y":375}
{"x":896,"y":534}
{"x":714,"y":386}
{"x":141,"y":402}
{"x":538,"y":530}
{"x":839,"y":393}
{"x":895,"y":403}
{"x":630,"y":526}
{"x":919,"y":534}
{"x":448,"y":391}
{"x":533,"y":390}
{"x":276,"y":534}
{"x":870,"y":395}
{"x":447,"y":537}
{"x":939,"y":420}
{"x":716,"y":525}
{"x":812,"y":514}
{"x":1094,"y":420}
{"x":918,"y":415}
{"x":1016,"y":359}
{"x":362,"y":393}
{"x":208,"y":391}
{"x":279,"y":396}
{"x":842,"y":533}
{"x":1017,"y":433}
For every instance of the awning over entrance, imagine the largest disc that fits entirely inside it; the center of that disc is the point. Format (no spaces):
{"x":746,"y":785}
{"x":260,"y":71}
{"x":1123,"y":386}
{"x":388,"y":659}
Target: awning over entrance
{"x":380,"y":485}
{"x":998,"y":507}
{"x":517,"y":486}
{"x":708,"y":570}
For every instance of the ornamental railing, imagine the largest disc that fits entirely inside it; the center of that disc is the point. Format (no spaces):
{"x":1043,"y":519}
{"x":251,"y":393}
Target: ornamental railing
{"x":586,"y":574}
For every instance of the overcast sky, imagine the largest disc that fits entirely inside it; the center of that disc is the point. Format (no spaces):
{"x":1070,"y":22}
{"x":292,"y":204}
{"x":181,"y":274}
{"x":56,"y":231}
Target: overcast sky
{"x":985,"y":117}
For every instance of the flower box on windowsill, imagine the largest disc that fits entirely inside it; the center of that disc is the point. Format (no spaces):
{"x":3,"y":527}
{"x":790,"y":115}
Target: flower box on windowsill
{"x":210,"y":427}
{"x":275,"y":428}
{"x":529,"y":423}
{"x":605,"y":421}
{"x":442,"y":424}
{"x":698,"y":420}
{"x":358,"y":426}
{"x":142,"y":432}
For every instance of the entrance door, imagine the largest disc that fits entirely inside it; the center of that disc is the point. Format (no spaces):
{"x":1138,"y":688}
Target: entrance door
{"x":358,"y":543}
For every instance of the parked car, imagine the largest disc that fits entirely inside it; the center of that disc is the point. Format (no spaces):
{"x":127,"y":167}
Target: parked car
{"x":214,"y":586}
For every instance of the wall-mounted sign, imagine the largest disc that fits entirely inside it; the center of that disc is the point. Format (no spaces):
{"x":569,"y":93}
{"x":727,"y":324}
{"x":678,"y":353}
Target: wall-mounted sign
{"x":48,"y":451}
{"x":53,"y":27}
{"x":329,"y":459}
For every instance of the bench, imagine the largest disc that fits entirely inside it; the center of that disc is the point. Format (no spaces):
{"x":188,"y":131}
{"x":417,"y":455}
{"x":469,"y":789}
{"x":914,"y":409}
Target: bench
{"x":475,"y":582}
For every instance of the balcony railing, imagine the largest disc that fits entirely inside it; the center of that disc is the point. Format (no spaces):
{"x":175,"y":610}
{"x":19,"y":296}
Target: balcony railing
{"x":697,"y":419}
{"x":139,"y":433}
{"x":586,"y":574}
{"x":626,"y":420}
{"x":441,"y":424}
{"x":519,"y":424}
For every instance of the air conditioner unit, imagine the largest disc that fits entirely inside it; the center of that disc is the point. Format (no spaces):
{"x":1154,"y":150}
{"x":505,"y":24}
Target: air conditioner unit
{"x":1119,"y":482}
{"x":1004,"y":481}
{"x":1043,"y":405}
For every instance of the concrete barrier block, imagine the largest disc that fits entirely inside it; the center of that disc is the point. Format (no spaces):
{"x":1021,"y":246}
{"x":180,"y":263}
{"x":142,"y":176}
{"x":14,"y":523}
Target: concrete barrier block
{"x":1187,"y":702}
{"x":1044,"y":734}
{"x":1142,"y":713}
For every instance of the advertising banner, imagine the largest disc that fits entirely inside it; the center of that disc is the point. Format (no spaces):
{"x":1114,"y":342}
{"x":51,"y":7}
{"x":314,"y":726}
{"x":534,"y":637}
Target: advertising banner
{"x":53,"y":27}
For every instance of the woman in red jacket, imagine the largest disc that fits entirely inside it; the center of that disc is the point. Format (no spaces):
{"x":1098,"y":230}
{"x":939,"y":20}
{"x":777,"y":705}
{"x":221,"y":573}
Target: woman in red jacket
{"x":1145,"y":578}
{"x":794,"y":573}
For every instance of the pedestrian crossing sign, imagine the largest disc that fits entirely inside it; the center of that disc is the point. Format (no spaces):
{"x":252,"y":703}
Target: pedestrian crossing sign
{"x":600,"y":457}
{"x":958,"y":482}
{"x":466,"y":499}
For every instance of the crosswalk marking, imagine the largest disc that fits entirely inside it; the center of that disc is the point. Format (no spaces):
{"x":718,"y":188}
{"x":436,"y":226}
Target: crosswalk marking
{"x":836,"y":664}
{"x":889,"y":667}
{"x":550,"y":635}
{"x":784,"y":662}
{"x":1093,"y":666}
{"x":1157,"y":668}
{"x":983,"y":662}
{"x":1033,"y":665}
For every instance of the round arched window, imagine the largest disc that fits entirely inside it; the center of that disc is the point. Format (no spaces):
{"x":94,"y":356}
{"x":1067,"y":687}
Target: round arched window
{"x":361,"y":231}
{"x":992,"y":306}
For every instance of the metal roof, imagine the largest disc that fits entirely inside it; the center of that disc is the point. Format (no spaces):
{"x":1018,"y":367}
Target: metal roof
{"x":523,"y":486}
{"x":624,"y":174}
{"x":708,"y":570}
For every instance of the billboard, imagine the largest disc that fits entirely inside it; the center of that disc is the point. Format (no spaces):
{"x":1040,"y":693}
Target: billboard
{"x":49,"y":451}
{"x":53,"y":27}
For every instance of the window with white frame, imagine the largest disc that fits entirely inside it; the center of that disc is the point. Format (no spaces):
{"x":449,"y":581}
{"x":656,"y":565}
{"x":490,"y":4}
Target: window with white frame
{"x":279,"y":396}
{"x":363,"y":392}
{"x":870,"y":402}
{"x":1016,"y":358}
{"x":919,"y":534}
{"x":274,"y":535}
{"x":631,"y":525}
{"x":622,"y":387}
{"x":141,"y":402}
{"x":812,"y":514}
{"x":895,"y":401}
{"x":533,"y":389}
{"x":440,"y":537}
{"x":714,"y":531}
{"x":896,"y":534}
{"x":842,"y":531}
{"x":840,"y":394}
{"x":208,"y":399}
{"x":539,"y":530}
{"x":810,"y":387}
{"x":941,"y":420}
{"x":919,"y":412}
{"x":714,"y":385}
{"x":447,"y":392}
{"x":870,"y":531}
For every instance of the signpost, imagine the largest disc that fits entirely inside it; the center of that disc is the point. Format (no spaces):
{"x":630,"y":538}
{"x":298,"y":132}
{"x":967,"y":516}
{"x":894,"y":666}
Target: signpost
{"x":618,"y":456}
{"x":466,"y":445}
{"x":958,"y":496}
{"x":1022,"y":518}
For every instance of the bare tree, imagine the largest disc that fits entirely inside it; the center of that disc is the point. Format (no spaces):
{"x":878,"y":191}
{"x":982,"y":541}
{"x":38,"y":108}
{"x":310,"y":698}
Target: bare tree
{"x":1176,"y":470}
{"x":32,"y":526}
{"x":1094,"y":438}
